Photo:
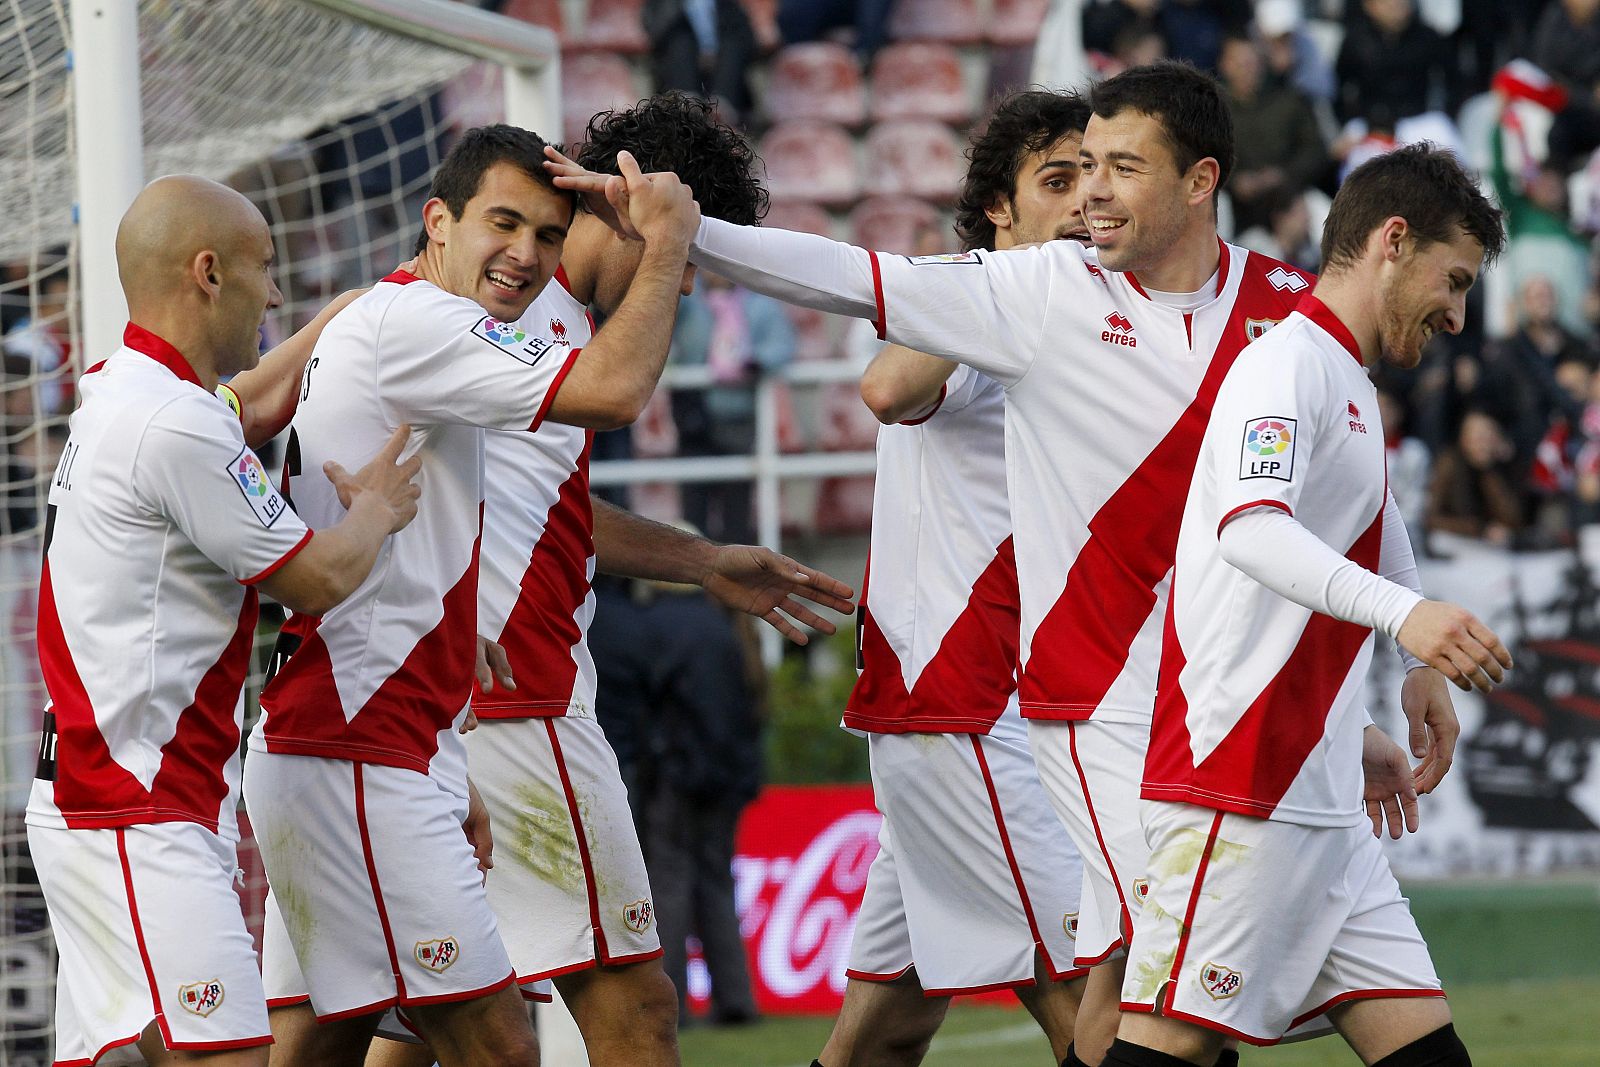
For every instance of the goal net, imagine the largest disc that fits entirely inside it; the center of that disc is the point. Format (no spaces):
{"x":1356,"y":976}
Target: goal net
{"x":332,"y":123}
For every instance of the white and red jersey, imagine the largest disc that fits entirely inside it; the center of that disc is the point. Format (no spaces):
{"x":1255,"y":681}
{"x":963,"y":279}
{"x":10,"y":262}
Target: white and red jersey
{"x":937,"y":624}
{"x":1107,"y":393}
{"x":1261,"y":709}
{"x":380,"y":678}
{"x":161,"y":521}
{"x":537,"y":559}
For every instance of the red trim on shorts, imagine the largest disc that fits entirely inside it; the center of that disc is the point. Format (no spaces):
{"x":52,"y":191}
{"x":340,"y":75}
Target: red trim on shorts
{"x":1100,"y":839}
{"x":138,"y":938}
{"x":1280,"y":505}
{"x":1011,"y":857}
{"x":637,"y":957}
{"x":92,"y":1060}
{"x":366,"y":1009}
{"x":288,"y":1002}
{"x":217,"y":1046}
{"x":1367,"y":994}
{"x":571,"y":968}
{"x":285,"y":558}
{"x":470,"y":994}
{"x":601,"y":954}
{"x":1174,"y":1013}
{"x":533,"y":996}
{"x":868,"y":976}
{"x":881,"y":322}
{"x":974,"y":990}
{"x":555,"y":384}
{"x":377,"y":891}
{"x":1188,"y":914}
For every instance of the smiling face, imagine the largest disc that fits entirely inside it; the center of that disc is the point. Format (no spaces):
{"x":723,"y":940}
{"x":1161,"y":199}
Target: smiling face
{"x":1135,"y":199}
{"x":1045,"y":205}
{"x":1423,"y":291}
{"x":505,"y":246}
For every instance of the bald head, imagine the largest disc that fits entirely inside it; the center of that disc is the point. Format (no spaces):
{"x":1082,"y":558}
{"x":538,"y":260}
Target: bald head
{"x":172,"y":221}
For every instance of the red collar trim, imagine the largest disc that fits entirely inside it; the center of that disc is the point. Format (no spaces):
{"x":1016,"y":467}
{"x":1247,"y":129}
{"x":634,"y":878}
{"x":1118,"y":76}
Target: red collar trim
{"x":1323,"y":316}
{"x":1222,"y":272}
{"x":146,"y":343}
{"x":401,"y":277}
{"x":561,"y":277}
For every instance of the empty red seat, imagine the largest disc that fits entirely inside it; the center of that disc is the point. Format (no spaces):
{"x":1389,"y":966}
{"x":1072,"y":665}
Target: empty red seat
{"x":799,"y":215}
{"x":919,"y":80}
{"x":811,"y":161}
{"x":1016,"y":22}
{"x":592,"y":82}
{"x":953,"y":21}
{"x":819,"y":81}
{"x":844,"y":505}
{"x":915,"y":157}
{"x":546,"y":13}
{"x":894,"y":224}
{"x":613,"y":26}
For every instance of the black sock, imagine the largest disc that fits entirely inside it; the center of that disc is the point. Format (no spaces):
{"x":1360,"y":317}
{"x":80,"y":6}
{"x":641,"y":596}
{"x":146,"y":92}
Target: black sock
{"x":1442,"y":1048}
{"x":1072,"y":1058}
{"x":816,"y":1063}
{"x":1126,"y":1054}
{"x":1228,"y":1057}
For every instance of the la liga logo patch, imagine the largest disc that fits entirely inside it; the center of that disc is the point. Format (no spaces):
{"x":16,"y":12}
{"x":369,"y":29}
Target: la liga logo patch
{"x":251,"y":478}
{"x":513,"y":340}
{"x":1268,"y":448}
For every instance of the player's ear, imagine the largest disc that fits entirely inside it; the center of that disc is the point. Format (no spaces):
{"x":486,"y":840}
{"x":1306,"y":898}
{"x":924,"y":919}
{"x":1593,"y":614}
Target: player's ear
{"x":206,"y":272}
{"x":999,"y":213}
{"x":436,"y":219}
{"x":1395,"y":236}
{"x":1203,"y":183}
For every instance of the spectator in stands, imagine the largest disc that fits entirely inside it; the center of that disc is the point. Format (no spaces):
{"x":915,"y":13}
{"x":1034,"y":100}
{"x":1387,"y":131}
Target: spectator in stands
{"x":1287,"y":233}
{"x":1293,"y":58}
{"x":43,"y":337}
{"x":808,"y":20}
{"x":1586,"y":463}
{"x":1408,"y":459}
{"x":692,"y":680}
{"x":1104,"y":21}
{"x":1393,"y":60}
{"x":1518,"y":383}
{"x":702,"y":47}
{"x":1194,"y":29}
{"x":1280,"y":148}
{"x":1474,"y":493}
{"x":1566,"y":45}
{"x":21,"y":493}
{"x":736,"y":335}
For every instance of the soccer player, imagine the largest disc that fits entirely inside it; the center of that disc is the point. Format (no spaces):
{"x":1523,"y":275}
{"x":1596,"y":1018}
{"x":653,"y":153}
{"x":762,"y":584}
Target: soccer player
{"x":975,"y":885}
{"x":1270,"y":904}
{"x":1109,"y":370}
{"x":162,"y":526}
{"x":356,"y":778}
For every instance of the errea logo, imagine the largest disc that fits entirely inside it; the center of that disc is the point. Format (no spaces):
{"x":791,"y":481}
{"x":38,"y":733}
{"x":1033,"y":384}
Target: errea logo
{"x":1285,"y":280}
{"x":1121,"y":332}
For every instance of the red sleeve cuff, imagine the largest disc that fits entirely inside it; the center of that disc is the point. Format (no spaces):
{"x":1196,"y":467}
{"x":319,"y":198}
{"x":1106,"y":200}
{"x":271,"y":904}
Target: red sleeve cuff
{"x":1280,"y":505}
{"x":931,"y":412}
{"x":550,"y":394}
{"x":881,"y":323}
{"x":285,"y":558}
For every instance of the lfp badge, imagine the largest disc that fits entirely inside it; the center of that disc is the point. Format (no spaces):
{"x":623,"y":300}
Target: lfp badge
{"x":1268,"y":450}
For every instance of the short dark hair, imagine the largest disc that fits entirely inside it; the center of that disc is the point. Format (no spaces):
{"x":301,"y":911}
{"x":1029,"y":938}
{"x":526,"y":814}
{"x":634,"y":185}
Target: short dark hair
{"x":681,"y":133}
{"x":1027,"y":121}
{"x":1421,"y":183}
{"x":1187,"y":102}
{"x":461,"y":174}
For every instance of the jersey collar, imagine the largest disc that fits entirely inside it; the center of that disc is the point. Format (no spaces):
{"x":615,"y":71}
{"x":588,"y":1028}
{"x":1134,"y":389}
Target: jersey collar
{"x":146,"y":343}
{"x":1222,"y":272}
{"x":1323,"y":316}
{"x":400,"y":277}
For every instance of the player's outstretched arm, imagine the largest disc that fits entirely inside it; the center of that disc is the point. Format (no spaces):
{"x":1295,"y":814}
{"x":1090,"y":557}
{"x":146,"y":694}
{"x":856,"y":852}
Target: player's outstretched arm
{"x":1390,"y":790}
{"x":381,"y":499}
{"x":269,"y":392}
{"x":900,"y":383}
{"x":611,"y":381}
{"x":747,"y":578}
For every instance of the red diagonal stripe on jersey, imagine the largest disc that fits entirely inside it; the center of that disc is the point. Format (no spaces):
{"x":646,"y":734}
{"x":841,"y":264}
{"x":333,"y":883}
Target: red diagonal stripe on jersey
{"x":1253,"y":767}
{"x":92,"y":789}
{"x":543,"y":627}
{"x":1082,"y":643}
{"x":399,"y":724}
{"x":966,"y":686}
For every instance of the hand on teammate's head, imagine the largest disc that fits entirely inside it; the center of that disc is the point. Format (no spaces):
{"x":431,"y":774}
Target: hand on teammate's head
{"x":660,"y":208}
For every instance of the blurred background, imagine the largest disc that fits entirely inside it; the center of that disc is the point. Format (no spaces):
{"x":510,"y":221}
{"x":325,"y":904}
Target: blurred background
{"x":332,"y":120}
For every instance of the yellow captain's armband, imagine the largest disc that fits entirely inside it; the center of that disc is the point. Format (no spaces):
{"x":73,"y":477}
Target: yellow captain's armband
{"x":231,"y":398}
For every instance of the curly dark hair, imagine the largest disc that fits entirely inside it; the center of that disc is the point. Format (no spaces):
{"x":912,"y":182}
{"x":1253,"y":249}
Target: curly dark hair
{"x":1423,"y":184}
{"x":459,"y":176}
{"x":681,"y":133}
{"x":1022,"y":123}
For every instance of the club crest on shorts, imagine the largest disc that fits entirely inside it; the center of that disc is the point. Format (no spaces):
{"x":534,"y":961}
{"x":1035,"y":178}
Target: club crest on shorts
{"x":1220,"y":982}
{"x":1069,"y":924}
{"x":639,"y":915}
{"x":1141,"y":889}
{"x":438,"y":955}
{"x":200,"y":998}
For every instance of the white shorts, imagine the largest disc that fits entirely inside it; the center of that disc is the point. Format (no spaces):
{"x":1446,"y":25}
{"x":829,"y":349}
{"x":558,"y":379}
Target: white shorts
{"x":1256,"y":928}
{"x":1093,"y":771}
{"x":974,"y":873}
{"x":376,"y":887}
{"x":149,"y":927}
{"x":566,"y":899}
